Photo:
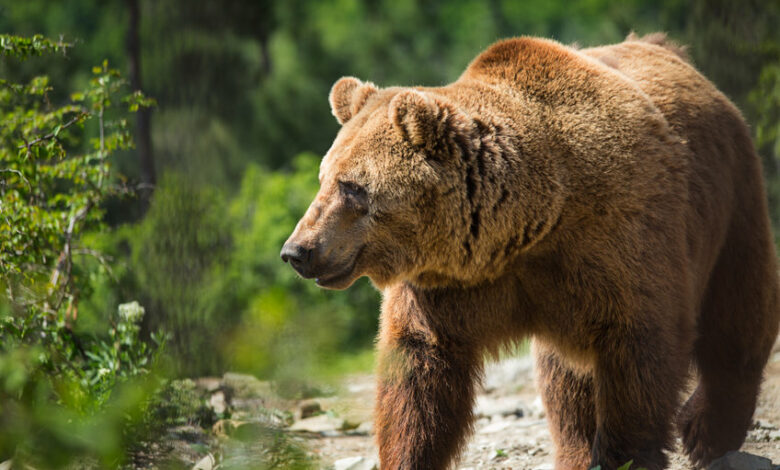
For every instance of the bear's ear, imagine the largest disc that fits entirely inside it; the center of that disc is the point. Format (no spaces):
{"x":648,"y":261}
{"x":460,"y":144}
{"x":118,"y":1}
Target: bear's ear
{"x":423,"y":120}
{"x":348,"y":96}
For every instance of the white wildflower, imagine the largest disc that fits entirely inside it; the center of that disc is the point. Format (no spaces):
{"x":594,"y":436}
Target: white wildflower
{"x":131,"y":312}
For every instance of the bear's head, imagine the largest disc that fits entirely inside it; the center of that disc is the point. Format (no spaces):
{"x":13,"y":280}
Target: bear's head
{"x":400,"y":194}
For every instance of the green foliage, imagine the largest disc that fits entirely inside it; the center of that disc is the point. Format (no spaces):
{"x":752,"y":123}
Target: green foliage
{"x":178,"y":402}
{"x":211,"y":274}
{"x":272,"y":449}
{"x":178,"y":257}
{"x":57,"y":408}
{"x":625,"y":466}
{"x":23,"y":47}
{"x":242,"y":88}
{"x":766,"y":99}
{"x":291,"y":328}
{"x":61,"y":394}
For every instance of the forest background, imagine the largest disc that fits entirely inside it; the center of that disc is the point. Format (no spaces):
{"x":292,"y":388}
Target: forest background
{"x":224,"y":163}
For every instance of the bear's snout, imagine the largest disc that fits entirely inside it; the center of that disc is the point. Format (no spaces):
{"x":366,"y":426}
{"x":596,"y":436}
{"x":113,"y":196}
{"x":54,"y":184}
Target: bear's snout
{"x":298,"y":257}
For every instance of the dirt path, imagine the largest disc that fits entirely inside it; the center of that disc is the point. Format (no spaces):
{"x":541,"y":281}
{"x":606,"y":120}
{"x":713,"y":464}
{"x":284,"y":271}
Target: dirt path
{"x":511,"y":431}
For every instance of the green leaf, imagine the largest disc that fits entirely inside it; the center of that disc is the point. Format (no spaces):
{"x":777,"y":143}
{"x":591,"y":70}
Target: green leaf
{"x":626,"y":466}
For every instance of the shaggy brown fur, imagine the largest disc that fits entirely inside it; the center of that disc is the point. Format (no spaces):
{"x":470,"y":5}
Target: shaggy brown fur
{"x":607,"y":202}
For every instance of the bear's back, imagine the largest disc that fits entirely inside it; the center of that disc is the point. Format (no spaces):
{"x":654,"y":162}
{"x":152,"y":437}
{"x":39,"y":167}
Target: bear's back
{"x":606,"y":104}
{"x":724,"y":169}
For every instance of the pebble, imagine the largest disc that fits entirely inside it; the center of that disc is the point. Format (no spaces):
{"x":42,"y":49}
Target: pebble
{"x":537,"y":408}
{"x":355,"y":463}
{"x":545,"y":466}
{"x":741,"y":461}
{"x":206,"y":463}
{"x":496,"y":427}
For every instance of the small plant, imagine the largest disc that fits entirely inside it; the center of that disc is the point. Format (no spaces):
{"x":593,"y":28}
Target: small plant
{"x":625,"y":466}
{"x":63,"y":395}
{"x":123,"y":355}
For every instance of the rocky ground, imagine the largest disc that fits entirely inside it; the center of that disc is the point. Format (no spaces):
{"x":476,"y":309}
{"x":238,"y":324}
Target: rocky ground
{"x":336,"y":432}
{"x":511,"y":431}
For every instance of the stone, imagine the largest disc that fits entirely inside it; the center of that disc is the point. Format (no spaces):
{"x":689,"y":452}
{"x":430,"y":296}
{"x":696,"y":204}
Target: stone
{"x":309,"y":408}
{"x":241,"y":430}
{"x":545,"y":466}
{"x":365,"y":428}
{"x":537,"y":408}
{"x":355,"y":463}
{"x":319,"y":424}
{"x":741,"y":461}
{"x":224,"y":427}
{"x":218,"y":402}
{"x":762,"y":424}
{"x":498,"y":426}
{"x":206,"y":463}
{"x":247,"y":386}
{"x":209,"y":384}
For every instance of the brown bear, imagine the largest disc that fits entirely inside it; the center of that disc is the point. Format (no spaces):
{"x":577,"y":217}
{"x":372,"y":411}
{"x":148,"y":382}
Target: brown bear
{"x":606,"y":202}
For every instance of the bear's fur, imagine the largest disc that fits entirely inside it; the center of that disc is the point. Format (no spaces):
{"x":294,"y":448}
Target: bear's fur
{"x":607,"y":202}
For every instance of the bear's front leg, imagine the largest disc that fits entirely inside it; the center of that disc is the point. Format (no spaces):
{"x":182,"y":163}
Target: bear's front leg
{"x":637,"y":386}
{"x":425,"y":393}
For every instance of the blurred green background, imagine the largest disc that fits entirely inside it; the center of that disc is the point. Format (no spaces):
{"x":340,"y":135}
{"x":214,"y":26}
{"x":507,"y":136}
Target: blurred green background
{"x":227,"y":160}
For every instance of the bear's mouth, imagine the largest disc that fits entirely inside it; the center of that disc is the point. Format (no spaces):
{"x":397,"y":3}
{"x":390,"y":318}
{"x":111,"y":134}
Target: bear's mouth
{"x":340,"y":280}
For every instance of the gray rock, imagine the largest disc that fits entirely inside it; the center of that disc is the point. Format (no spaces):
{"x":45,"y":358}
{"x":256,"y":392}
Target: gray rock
{"x":366,"y":428}
{"x":218,"y":402}
{"x":741,"y":461}
{"x":498,"y":426}
{"x":355,"y":463}
{"x":309,"y":408}
{"x":545,"y":466}
{"x":247,"y":386}
{"x":225,"y":427}
{"x":209,"y":384}
{"x":319,"y":424}
{"x":206,"y":463}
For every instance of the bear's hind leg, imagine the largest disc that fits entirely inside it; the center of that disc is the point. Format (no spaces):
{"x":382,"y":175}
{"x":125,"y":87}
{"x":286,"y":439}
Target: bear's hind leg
{"x":716,"y":417}
{"x":568,"y":398}
{"x":637,"y":384}
{"x":737,"y":328}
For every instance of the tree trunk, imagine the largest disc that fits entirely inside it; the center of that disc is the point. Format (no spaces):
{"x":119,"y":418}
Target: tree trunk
{"x":143,"y":138}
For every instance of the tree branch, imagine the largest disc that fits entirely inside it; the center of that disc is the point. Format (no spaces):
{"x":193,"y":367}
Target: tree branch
{"x":52,"y":135}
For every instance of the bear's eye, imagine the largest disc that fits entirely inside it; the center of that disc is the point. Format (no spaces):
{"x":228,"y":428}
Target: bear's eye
{"x":354,"y":191}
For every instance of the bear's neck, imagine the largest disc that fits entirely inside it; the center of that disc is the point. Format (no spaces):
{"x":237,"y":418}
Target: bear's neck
{"x":510,"y":200}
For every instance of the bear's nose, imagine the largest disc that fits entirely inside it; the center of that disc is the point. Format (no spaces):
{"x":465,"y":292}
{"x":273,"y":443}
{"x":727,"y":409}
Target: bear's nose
{"x":298,"y":256}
